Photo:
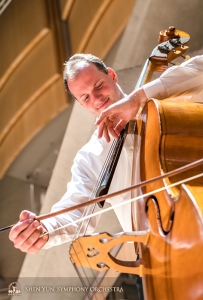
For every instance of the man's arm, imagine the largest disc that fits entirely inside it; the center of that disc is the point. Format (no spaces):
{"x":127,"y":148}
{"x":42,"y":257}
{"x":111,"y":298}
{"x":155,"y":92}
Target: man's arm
{"x":26,"y":233}
{"x":176,"y":79}
{"x":173,"y":81}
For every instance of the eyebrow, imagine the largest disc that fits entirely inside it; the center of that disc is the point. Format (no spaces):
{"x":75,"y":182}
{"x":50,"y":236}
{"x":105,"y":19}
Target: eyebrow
{"x":98,"y":81}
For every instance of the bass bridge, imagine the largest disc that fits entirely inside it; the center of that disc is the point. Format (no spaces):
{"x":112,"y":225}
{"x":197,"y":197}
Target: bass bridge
{"x":93,"y":251}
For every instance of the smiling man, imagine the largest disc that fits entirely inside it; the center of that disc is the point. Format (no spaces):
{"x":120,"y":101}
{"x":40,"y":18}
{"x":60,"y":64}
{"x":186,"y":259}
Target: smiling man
{"x":91,"y":83}
{"x":96,"y":88}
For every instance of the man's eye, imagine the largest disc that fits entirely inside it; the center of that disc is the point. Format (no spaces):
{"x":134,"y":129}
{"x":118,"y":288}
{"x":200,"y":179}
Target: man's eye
{"x":85,"y":98}
{"x":99,"y":86}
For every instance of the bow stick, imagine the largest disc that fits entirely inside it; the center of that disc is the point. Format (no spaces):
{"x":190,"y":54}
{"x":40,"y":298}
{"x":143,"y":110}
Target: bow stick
{"x":104,"y":197}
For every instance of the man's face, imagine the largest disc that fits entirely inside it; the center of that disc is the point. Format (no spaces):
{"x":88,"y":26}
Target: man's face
{"x":94,"y":89}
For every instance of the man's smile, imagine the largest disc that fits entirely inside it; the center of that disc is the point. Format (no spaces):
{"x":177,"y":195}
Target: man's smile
{"x":103,"y":104}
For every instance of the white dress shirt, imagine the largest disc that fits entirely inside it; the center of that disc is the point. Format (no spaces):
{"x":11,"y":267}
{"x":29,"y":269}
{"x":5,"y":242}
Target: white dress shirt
{"x":186,"y":78}
{"x":87,"y":166}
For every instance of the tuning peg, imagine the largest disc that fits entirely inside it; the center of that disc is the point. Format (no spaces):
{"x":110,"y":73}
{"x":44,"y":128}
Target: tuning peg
{"x":177,"y":52}
{"x":176,"y":64}
{"x":186,"y":57}
{"x":184,"y":47}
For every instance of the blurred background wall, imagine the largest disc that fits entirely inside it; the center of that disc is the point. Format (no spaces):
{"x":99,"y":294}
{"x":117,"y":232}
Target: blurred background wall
{"x":36,"y":37}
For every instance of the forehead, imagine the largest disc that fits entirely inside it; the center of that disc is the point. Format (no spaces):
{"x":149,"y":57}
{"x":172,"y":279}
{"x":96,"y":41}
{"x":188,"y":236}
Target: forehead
{"x":87,"y":76}
{"x":86,"y":69}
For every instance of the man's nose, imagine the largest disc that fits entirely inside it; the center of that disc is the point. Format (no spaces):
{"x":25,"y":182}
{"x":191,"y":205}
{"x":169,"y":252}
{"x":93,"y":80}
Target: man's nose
{"x":97,"y":95}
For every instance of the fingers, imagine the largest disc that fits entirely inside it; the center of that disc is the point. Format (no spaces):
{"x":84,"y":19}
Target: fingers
{"x":113,"y":132}
{"x":109,"y":113}
{"x":29,"y":239}
{"x":101,"y":118}
{"x":101,"y":129}
{"x":106,"y":134}
{"x":119,"y":127}
{"x":26,"y":214}
{"x":38,"y":245}
{"x":26,"y":233}
{"x":106,"y":129}
{"x":18,"y":228}
{"x":25,"y":220}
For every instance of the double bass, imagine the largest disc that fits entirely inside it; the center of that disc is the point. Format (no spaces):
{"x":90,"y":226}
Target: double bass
{"x":168,"y":218}
{"x":173,"y":253}
{"x":168,"y":223}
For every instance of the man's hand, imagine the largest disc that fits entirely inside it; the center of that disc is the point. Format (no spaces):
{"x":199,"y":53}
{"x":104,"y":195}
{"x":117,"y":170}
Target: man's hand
{"x":26,"y":233}
{"x":113,"y":119}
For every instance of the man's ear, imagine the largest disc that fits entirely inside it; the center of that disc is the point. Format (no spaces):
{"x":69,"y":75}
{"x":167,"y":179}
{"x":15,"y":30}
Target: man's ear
{"x":113,"y":74}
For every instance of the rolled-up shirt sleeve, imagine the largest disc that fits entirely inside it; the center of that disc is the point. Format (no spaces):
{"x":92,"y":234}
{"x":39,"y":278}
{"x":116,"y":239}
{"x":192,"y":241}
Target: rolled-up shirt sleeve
{"x":176,"y":79}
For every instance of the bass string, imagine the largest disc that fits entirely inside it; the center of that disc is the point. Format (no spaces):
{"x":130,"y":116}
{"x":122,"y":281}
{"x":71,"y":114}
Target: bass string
{"x":104,"y":168}
{"x":113,"y":207}
{"x":129,"y":201}
{"x":81,"y":272}
{"x":138,"y":85}
{"x":90,"y":210}
{"x":109,"y":161}
{"x":84,"y":278}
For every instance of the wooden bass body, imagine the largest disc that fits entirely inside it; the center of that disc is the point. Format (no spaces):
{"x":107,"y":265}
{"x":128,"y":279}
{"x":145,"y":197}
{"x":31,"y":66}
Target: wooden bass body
{"x":171,"y":137}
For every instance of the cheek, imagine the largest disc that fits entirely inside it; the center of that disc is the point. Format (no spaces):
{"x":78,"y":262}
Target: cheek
{"x":84,"y":104}
{"x":115,"y":97}
{"x":88,"y":106}
{"x":115,"y":94}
